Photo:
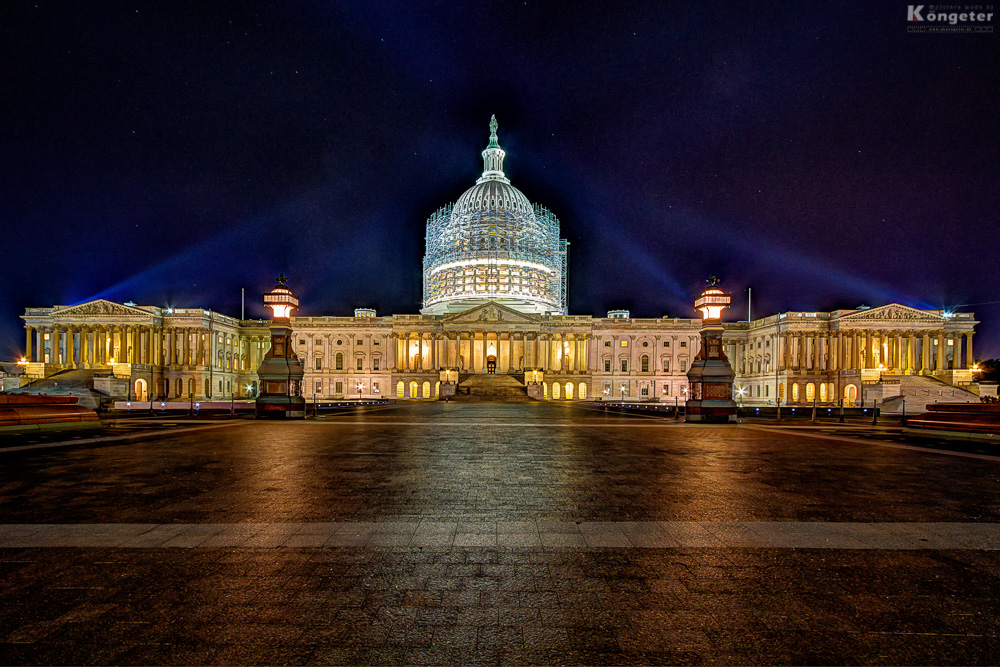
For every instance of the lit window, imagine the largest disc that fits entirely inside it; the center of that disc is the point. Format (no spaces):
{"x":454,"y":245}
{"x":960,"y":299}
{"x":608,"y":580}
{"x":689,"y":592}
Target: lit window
{"x":624,"y":343}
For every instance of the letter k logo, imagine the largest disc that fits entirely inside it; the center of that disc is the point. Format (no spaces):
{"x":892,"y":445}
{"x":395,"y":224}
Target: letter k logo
{"x":913,"y":13}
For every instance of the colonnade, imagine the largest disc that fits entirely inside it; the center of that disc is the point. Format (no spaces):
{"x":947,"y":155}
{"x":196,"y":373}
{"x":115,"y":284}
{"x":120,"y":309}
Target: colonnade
{"x":88,"y":345}
{"x":908,"y":351}
{"x":470,"y":351}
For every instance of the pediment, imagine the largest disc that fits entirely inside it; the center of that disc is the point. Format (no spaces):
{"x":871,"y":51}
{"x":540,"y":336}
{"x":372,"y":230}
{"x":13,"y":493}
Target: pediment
{"x":100,"y":307}
{"x":491,"y":312}
{"x":893,"y":311}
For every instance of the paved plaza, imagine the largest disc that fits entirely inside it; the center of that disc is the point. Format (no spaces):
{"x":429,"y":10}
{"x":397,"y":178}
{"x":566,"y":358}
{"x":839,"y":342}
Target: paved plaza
{"x":498,"y":534}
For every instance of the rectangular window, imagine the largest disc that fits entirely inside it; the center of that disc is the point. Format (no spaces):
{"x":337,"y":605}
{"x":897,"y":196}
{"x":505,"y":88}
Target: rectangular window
{"x":624,"y":365}
{"x":666,"y":343}
{"x":319,"y":363}
{"x":607,"y":365}
{"x":684,"y":343}
{"x":318,"y":387}
{"x":607,"y":343}
{"x":767,"y":390}
{"x":376,"y":388}
{"x":645,"y":390}
{"x":339,"y":387}
{"x":666,"y":365}
{"x":302,"y":341}
{"x":360,"y":362}
{"x":375,"y":363}
{"x":624,"y":343}
{"x":607,"y":388}
{"x":665,"y":389}
{"x":684,"y":366}
{"x":376,"y":342}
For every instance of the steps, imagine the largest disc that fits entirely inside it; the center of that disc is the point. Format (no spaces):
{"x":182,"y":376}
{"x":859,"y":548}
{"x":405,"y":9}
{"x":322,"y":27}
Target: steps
{"x":79,"y":383}
{"x":499,"y":388}
{"x":921,"y":391}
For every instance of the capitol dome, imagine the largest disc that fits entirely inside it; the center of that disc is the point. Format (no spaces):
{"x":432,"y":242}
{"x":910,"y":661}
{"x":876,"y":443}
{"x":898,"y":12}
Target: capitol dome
{"x":494,"y":245}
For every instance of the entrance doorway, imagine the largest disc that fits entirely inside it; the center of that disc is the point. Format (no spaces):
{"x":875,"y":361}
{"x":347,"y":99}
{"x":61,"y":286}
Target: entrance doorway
{"x":491,"y":364}
{"x":140,"y":390}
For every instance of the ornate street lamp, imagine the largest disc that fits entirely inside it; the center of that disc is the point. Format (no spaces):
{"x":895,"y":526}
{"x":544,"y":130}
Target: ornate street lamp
{"x":710,"y":375}
{"x":280,"y":373}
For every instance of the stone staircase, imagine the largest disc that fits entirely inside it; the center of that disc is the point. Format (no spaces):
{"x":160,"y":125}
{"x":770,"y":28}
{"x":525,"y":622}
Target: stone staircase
{"x":79,"y":383}
{"x":921,"y":391}
{"x":498,"y":388}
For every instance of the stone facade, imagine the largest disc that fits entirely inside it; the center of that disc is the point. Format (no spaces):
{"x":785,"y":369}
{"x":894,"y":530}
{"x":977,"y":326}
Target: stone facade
{"x":802,"y":357}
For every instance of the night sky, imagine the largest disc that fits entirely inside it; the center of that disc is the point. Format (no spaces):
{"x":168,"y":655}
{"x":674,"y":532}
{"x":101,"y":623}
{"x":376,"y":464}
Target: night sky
{"x":173,"y":153}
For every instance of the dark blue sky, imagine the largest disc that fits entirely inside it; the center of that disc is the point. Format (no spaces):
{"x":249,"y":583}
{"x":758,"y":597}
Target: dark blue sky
{"x":173,"y":153}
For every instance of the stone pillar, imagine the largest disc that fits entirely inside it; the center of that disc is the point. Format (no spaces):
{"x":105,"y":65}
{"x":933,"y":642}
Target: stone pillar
{"x":54,"y":342}
{"x":956,"y":351}
{"x":28,"y":332}
{"x":910,"y":342}
{"x":969,"y":359}
{"x":941,"y":352}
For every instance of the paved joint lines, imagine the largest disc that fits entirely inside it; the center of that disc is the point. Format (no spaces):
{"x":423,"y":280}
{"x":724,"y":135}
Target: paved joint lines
{"x":400,"y":532}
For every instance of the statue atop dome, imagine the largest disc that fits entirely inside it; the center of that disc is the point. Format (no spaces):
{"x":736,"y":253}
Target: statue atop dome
{"x":493,"y":157}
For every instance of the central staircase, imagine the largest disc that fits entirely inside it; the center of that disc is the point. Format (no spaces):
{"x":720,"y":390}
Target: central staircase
{"x":79,"y":383}
{"x":503,"y":387}
{"x":923,"y":390}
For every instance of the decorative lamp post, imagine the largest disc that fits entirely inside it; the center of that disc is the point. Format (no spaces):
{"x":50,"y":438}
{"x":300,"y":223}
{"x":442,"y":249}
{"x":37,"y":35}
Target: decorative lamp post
{"x":280,"y":373}
{"x":710,"y":376}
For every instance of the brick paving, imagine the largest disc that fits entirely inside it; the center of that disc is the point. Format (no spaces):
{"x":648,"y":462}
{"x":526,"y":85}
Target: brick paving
{"x":498,"y":534}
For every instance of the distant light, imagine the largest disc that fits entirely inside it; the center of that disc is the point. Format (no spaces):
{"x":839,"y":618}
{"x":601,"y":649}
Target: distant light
{"x":948,"y":314}
{"x":170,"y":311}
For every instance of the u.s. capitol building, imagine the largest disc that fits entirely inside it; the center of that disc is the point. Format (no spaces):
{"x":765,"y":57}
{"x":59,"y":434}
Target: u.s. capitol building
{"x":494,"y":325}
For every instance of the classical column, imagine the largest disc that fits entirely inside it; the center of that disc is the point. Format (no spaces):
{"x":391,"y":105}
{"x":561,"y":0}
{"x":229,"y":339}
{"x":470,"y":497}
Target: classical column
{"x":55,"y":345}
{"x":941,"y":352}
{"x":910,"y":342}
{"x":956,"y":350}
{"x":969,"y":359}
{"x":28,"y":331}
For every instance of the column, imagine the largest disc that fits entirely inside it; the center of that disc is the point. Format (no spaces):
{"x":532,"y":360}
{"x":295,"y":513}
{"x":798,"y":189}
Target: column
{"x":969,"y":359}
{"x":28,"y":331}
{"x":941,"y":352}
{"x":910,"y":343}
{"x":55,"y":344}
{"x":956,"y":350}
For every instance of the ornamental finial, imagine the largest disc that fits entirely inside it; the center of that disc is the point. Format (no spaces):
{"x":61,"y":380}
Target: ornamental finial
{"x":493,"y":132}
{"x":712,"y":281}
{"x":281,"y":279}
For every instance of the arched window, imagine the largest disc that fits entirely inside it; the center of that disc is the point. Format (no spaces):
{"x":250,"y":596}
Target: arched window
{"x":556,"y":391}
{"x":569,"y":390}
{"x":810,"y":392}
{"x":545,"y":390}
{"x":437,"y":389}
{"x":582,"y":391}
{"x":426,"y":389}
{"x":850,"y":394}
{"x":822,"y":392}
{"x":413,"y":390}
{"x":644,"y":363}
{"x":400,"y":390}
{"x":795,"y":392}
{"x":339,"y":361}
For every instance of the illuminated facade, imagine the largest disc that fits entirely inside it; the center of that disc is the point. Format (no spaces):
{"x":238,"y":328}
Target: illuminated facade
{"x":494,"y":311}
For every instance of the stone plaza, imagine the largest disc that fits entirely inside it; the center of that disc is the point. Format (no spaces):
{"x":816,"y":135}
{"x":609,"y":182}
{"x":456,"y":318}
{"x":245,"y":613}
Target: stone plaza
{"x":498,"y":533}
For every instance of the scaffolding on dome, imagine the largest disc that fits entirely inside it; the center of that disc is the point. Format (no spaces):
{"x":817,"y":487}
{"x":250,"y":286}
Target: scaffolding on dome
{"x":494,"y":245}
{"x":496,"y":254}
